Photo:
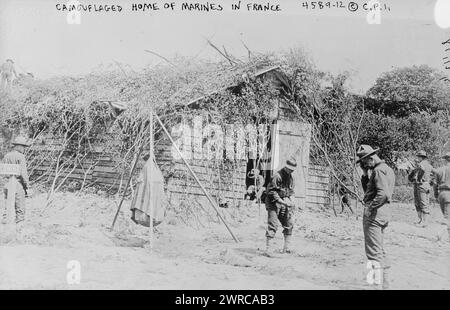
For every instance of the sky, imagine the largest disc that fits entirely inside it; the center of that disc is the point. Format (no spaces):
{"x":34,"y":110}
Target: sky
{"x":40,"y":40}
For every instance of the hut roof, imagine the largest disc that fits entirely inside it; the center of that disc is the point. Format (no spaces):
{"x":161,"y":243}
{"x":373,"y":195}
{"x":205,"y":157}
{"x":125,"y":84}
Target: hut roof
{"x":277,"y":77}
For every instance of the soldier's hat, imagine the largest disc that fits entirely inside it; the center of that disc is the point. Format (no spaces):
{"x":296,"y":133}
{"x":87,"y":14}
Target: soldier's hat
{"x":20,"y":140}
{"x":446,"y":155}
{"x":365,"y":151}
{"x":9,"y":59}
{"x":253,"y":173}
{"x":146,"y":157}
{"x":291,"y":164}
{"x":422,"y":153}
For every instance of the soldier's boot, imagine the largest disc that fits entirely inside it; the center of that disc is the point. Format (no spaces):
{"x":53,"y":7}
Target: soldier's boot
{"x":385,"y":279}
{"x":287,"y":244}
{"x":424,"y":220}
{"x":419,"y":214}
{"x":19,"y":230}
{"x":269,"y":248}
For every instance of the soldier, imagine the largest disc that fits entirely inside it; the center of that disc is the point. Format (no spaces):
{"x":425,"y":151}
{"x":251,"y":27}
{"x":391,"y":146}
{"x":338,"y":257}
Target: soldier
{"x":378,"y":184}
{"x":256,"y":188}
{"x":16,"y":157}
{"x":279,"y":206}
{"x":421,"y":178}
{"x":344,"y":194}
{"x":7,"y":70}
{"x":442,"y":189}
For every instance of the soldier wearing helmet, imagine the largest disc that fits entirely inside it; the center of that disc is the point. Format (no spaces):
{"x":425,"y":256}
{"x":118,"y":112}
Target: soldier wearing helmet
{"x":280,"y":207}
{"x":442,"y":189}
{"x":377,"y":181}
{"x":420,"y":176}
{"x":17,"y":157}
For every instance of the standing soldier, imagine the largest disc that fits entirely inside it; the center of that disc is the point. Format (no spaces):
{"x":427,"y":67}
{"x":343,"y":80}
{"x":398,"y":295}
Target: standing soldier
{"x":442,"y":189}
{"x":279,"y":206}
{"x":421,"y":178}
{"x":344,"y":194}
{"x":378,"y":184}
{"x":16,"y":157}
{"x":6,"y":71}
{"x":256,"y":188}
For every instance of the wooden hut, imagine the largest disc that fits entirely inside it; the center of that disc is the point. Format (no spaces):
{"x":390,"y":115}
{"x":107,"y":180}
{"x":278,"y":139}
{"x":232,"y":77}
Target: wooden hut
{"x":228,"y":179}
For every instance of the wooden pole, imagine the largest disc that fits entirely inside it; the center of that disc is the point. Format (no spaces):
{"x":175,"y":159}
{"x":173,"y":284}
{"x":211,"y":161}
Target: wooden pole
{"x":151,"y":183}
{"x":126,"y":187}
{"x":256,"y":189}
{"x":213,"y":204}
{"x":333,"y":190}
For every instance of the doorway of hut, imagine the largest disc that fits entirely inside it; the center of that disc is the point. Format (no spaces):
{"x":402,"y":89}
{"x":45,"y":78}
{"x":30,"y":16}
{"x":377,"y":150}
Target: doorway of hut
{"x":258,"y":170}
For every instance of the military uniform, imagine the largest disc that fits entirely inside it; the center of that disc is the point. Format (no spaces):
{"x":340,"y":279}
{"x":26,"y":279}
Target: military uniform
{"x":256,"y":187}
{"x":442,"y":190}
{"x":6,"y":74}
{"x":281,"y":187}
{"x":378,"y":182}
{"x":17,"y":158}
{"x":421,"y":178}
{"x":279,"y":205}
{"x":344,"y":197}
{"x":378,"y":189}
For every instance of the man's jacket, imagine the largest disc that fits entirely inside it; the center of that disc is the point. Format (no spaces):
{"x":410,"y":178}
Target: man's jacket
{"x":16,"y":158}
{"x":379,"y":186}
{"x":281,"y":186}
{"x":442,"y":176}
{"x":421,"y":175}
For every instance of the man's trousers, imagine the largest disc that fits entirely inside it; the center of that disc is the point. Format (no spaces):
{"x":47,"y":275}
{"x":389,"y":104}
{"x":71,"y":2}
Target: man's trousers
{"x":422,"y":198}
{"x":374,"y":226}
{"x":19,"y":203}
{"x":444,"y":202}
{"x":278,"y":212}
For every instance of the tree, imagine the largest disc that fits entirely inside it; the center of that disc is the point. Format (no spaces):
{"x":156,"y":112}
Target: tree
{"x":405,"y":91}
{"x":409,"y":110}
{"x":336,"y":123}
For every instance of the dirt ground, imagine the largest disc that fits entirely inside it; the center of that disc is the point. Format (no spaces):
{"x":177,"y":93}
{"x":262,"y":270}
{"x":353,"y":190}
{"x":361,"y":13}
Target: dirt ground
{"x":328,"y":251}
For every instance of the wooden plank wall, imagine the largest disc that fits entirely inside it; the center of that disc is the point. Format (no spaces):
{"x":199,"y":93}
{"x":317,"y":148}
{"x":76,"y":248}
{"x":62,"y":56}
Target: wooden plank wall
{"x":232,"y":182}
{"x":182,"y":184}
{"x":96,"y":169}
{"x":317,"y":189}
{"x":224,"y":182}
